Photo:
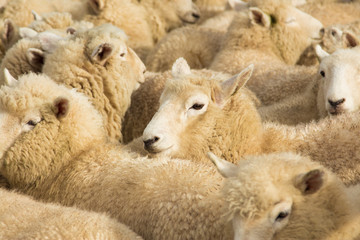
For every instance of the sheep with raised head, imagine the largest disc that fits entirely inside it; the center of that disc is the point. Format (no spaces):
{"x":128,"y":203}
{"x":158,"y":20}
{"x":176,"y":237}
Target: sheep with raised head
{"x":287,"y":196}
{"x":198,"y":114}
{"x":272,"y":36}
{"x":333,"y":92}
{"x":53,"y":146}
{"x":24,"y":218}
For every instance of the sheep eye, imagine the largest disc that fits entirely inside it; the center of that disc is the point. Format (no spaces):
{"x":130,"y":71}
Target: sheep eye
{"x":281,"y":216}
{"x":197,"y":106}
{"x":31,"y":123}
{"x":122,"y":55}
{"x":322,"y":73}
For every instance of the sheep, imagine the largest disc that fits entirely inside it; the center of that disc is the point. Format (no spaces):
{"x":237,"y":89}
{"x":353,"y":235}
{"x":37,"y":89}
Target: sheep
{"x":99,"y":64}
{"x":24,"y":218}
{"x":145,"y":102}
{"x":53,"y":146}
{"x":150,"y":19}
{"x":20,"y":11}
{"x":332,"y":93}
{"x":205,"y":42}
{"x":269,"y":34}
{"x":197,"y":115}
{"x":287,"y":196}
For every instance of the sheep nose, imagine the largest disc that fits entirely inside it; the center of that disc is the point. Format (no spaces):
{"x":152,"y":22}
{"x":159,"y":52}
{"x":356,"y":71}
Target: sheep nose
{"x":322,"y":32}
{"x":150,"y":142}
{"x":337,"y":103}
{"x":196,"y":15}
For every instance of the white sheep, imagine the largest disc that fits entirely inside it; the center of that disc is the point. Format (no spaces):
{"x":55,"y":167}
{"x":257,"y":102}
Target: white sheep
{"x":333,"y":91}
{"x":53,"y":146}
{"x":24,"y":218}
{"x":199,"y":114}
{"x":286,"y":196}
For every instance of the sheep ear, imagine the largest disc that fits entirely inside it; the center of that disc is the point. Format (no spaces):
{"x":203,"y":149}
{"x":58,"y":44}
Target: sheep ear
{"x":225,"y":168}
{"x":102,"y":53}
{"x":36,"y":16}
{"x":26,"y":32}
{"x":8,"y":31}
{"x":238,"y":5}
{"x":320,"y":52}
{"x":61,"y":107}
{"x":49,"y":41}
{"x":97,"y":5}
{"x":258,"y":17}
{"x":180,"y":68}
{"x":35,"y":57}
{"x":229,"y":87}
{"x":350,"y":39}
{"x":9,"y":79}
{"x":310,"y":182}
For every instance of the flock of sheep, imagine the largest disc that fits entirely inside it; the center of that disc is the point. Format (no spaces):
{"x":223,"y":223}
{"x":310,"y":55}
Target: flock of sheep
{"x":111,"y":112}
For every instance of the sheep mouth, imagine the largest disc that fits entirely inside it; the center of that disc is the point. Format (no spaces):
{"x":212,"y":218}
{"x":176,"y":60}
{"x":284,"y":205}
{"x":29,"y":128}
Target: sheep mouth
{"x":154,"y":150}
{"x":335,"y":112}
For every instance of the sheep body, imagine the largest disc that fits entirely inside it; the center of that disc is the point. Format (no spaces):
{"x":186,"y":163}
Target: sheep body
{"x":25,"y":218}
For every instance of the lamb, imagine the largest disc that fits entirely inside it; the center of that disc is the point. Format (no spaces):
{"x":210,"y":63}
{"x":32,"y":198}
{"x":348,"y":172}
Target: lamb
{"x":332,"y":93}
{"x":99,"y":64}
{"x":24,"y":218}
{"x":72,"y":162}
{"x":150,"y":19}
{"x":269,"y":34}
{"x":199,"y":114}
{"x":287,"y":196}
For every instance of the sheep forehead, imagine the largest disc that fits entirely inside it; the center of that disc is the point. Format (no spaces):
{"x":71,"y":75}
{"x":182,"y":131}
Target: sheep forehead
{"x":262,"y":181}
{"x":344,"y":62}
{"x":31,"y":91}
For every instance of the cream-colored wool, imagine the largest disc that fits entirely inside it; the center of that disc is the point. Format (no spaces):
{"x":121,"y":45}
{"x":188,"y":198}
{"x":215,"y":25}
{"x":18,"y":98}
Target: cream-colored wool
{"x":205,"y":42}
{"x":61,"y":154}
{"x":145,"y":101}
{"x":286,"y":196}
{"x":340,"y":81}
{"x":20,"y":10}
{"x":99,"y":64}
{"x":333,"y":13}
{"x":193,"y":119}
{"x":270,"y":38}
{"x":25,"y":218}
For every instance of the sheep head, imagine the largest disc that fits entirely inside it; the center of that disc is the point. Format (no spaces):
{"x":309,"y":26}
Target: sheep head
{"x":273,"y":196}
{"x":334,"y":38}
{"x":42,"y":124}
{"x":290,"y":29}
{"x":189,"y":103}
{"x":339,"y":81}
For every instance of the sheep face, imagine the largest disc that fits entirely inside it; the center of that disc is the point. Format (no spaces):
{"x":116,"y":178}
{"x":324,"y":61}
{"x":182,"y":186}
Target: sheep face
{"x":334,"y":38}
{"x":339,"y":81}
{"x":291,"y":30}
{"x":273,"y":196}
{"x":38,"y":119}
{"x":176,"y":12}
{"x":186,"y":103}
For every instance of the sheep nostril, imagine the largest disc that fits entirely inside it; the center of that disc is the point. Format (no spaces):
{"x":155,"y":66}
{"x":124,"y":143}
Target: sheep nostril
{"x":195,"y":15}
{"x":150,"y":142}
{"x":336,"y":103}
{"x":322,"y":31}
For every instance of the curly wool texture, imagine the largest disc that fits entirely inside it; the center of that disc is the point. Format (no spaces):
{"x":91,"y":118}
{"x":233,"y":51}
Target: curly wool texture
{"x":327,"y":214}
{"x":70,"y":162}
{"x":23,"y":217}
{"x":109,"y":86}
